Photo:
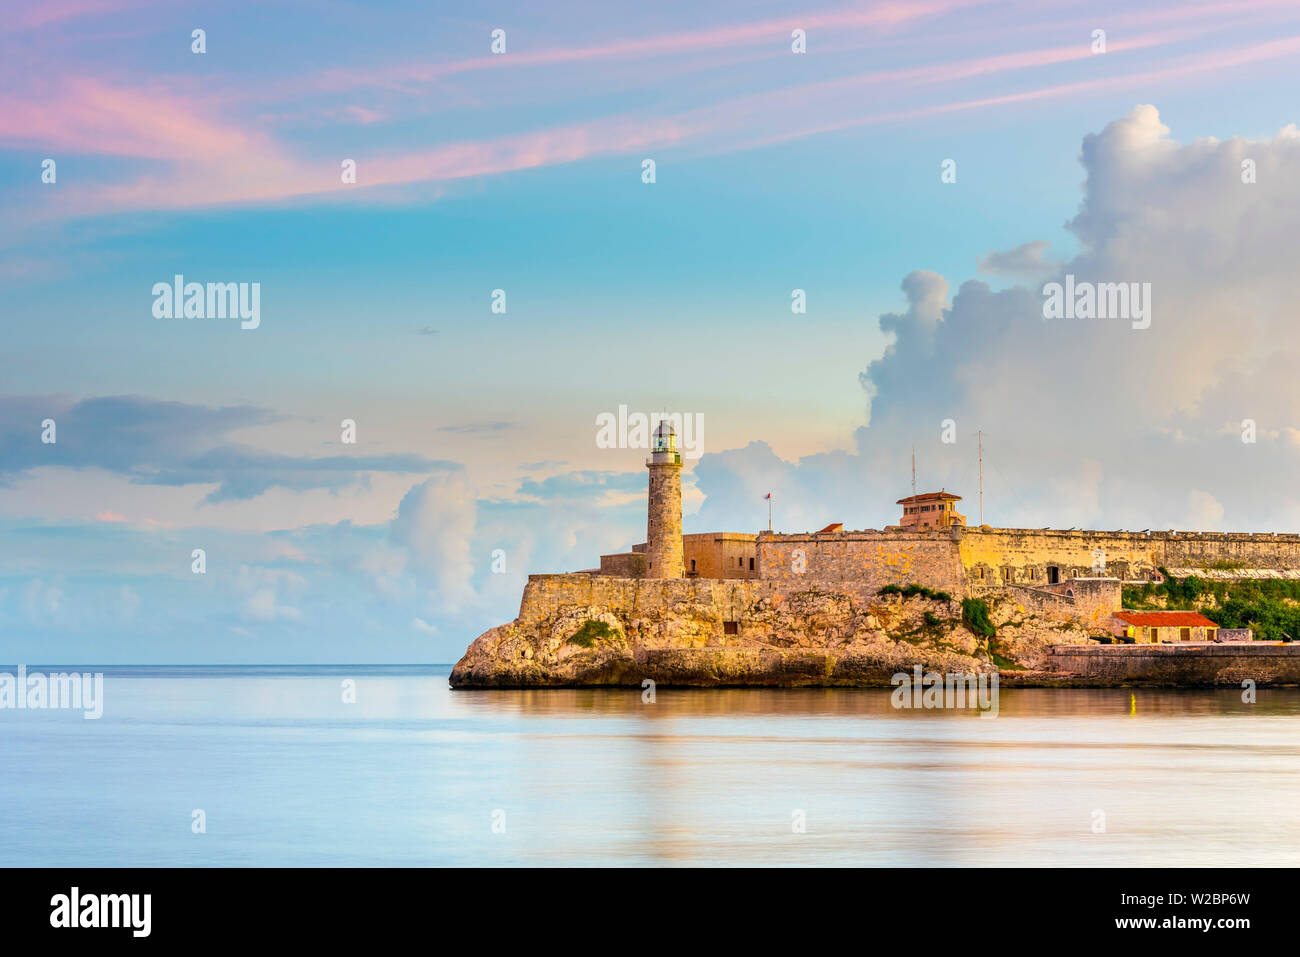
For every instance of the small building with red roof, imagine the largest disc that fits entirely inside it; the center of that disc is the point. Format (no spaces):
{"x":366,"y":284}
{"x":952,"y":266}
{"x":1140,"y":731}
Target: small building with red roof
{"x":1152,"y":627}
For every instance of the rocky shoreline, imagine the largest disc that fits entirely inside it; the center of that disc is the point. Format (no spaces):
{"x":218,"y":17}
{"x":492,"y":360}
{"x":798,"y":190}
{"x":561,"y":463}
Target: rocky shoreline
{"x":588,"y":631}
{"x":568,"y":635}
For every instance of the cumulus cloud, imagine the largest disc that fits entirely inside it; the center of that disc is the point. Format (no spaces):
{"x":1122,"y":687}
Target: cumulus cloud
{"x":1026,"y":261}
{"x":1091,"y":421}
{"x":42,"y":601}
{"x":435,"y":525}
{"x":261,"y":589}
{"x":264,"y":605}
{"x":1205,"y":509}
{"x":128,"y":602}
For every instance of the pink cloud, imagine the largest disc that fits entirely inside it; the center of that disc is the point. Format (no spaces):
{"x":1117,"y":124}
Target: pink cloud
{"x":211,"y":160}
{"x":84,"y":114}
{"x":41,"y":13}
{"x":775,"y":32}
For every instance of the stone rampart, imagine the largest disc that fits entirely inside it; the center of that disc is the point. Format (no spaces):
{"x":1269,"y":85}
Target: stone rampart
{"x":1179,"y":665}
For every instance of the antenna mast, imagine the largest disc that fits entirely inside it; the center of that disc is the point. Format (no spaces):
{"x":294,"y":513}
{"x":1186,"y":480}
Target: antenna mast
{"x":914,"y":471}
{"x":981,"y":448}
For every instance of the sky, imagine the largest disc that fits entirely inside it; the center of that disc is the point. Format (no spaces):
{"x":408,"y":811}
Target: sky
{"x":920,"y":172}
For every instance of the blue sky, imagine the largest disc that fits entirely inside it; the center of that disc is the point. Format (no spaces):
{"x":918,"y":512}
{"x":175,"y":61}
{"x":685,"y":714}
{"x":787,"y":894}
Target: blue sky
{"x":775,"y":171}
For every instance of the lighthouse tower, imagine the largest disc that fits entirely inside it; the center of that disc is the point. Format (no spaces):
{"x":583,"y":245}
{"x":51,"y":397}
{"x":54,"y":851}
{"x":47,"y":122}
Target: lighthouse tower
{"x":664,"y":519}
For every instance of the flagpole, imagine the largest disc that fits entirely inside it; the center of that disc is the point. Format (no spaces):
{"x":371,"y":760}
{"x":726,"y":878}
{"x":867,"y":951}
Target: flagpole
{"x":769,"y":511}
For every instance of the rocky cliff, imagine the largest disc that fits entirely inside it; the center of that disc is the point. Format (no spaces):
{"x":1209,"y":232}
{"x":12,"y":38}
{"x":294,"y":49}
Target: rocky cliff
{"x":596,"y":630}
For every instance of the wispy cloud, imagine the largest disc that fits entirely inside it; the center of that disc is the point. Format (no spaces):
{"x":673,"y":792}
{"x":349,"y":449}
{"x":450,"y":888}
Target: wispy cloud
{"x":175,"y":443}
{"x":200,"y":148}
{"x":478,"y":427}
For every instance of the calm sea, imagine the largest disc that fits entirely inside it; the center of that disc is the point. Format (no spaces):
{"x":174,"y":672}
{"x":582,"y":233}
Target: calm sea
{"x":412,"y":773}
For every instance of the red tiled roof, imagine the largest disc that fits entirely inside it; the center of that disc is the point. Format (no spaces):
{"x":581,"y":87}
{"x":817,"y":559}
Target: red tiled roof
{"x":832,"y":527}
{"x":1166,"y":619}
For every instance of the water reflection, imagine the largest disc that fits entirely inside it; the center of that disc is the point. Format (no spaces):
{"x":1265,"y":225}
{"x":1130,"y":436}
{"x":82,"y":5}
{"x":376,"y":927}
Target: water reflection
{"x":868,"y":702}
{"x":413,"y":772}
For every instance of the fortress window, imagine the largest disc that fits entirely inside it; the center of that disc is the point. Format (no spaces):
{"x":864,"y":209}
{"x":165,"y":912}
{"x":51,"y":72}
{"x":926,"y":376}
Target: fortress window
{"x":751,"y":564}
{"x":979,"y":572}
{"x":740,"y":562}
{"x":692,"y":564}
{"x":730,"y":627}
{"x":1006,"y":574}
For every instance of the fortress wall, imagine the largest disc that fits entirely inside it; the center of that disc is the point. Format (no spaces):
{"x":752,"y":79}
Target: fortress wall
{"x":720,"y":554}
{"x":1204,"y":549}
{"x":1040,"y":601}
{"x":1096,"y":599}
{"x":546,"y":595}
{"x":867,"y":560}
{"x":1090,"y":601}
{"x":1027,"y":553}
{"x":967,"y":561}
{"x":990,"y":555}
{"x":623,"y":564}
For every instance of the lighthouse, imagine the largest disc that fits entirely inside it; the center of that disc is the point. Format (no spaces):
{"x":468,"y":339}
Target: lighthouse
{"x":664,"y":517}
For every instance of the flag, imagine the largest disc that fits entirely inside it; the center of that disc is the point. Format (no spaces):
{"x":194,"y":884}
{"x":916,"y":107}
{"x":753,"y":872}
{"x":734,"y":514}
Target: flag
{"x":768,"y":495}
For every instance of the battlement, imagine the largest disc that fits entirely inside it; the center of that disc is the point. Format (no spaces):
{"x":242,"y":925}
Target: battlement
{"x":960,"y":531}
{"x":1291,"y":538}
{"x":935,"y":548}
{"x":970,"y":561}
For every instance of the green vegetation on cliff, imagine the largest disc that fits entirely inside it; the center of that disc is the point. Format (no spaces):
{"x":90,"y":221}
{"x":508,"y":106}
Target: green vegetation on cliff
{"x":975,"y":616}
{"x":913,"y":590}
{"x":591,"y":632}
{"x":1269,"y":606}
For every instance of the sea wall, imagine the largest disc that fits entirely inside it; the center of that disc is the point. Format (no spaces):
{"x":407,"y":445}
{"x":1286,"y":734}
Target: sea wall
{"x":1178,"y":665}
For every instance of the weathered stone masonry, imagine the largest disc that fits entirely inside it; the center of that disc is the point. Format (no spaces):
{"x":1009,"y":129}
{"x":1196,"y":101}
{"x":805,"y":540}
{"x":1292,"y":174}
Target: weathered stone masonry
{"x":973,"y":561}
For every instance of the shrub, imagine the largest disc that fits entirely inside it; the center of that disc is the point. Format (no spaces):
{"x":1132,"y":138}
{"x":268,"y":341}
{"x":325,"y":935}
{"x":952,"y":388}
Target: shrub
{"x":975,"y":616}
{"x":592,"y":631}
{"x":913,"y":590}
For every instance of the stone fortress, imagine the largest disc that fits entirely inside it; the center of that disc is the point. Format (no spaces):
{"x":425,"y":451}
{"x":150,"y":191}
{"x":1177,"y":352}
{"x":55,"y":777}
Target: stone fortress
{"x":933,"y":546}
{"x":715,"y":608}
